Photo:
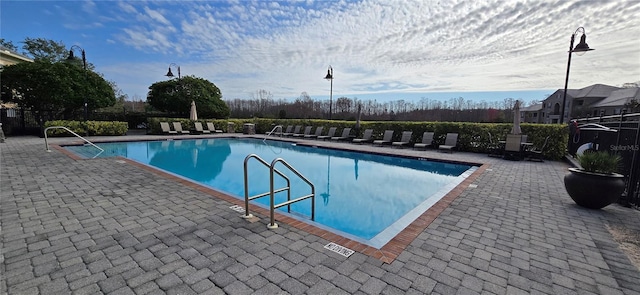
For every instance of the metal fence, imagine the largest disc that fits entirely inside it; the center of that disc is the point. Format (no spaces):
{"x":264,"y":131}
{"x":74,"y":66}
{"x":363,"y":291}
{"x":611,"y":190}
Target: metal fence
{"x":624,"y":139}
{"x":23,"y":122}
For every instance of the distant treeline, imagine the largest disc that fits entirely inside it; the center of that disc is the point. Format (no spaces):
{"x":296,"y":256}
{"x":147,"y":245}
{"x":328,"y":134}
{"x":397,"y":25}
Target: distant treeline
{"x":263,"y":105}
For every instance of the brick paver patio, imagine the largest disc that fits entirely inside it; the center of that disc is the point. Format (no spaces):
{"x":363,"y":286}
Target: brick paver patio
{"x":109,"y":226}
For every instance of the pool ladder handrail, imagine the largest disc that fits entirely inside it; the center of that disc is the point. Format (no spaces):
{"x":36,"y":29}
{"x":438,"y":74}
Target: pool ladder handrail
{"x":65,"y":128}
{"x":272,"y":191}
{"x":272,"y":131}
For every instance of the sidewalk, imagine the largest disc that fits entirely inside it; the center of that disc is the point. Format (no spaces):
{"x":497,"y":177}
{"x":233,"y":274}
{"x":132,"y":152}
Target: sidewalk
{"x":106,"y":226}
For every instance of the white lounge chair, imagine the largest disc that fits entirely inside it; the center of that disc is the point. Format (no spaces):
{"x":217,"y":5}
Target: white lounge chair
{"x":177,"y":126}
{"x":212,"y":128}
{"x":199,"y":129}
{"x":166,"y":129}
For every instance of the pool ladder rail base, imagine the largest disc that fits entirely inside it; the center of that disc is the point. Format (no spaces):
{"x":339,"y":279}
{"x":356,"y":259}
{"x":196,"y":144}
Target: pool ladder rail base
{"x":67,"y":129}
{"x":272,"y":191}
{"x":277,"y":130}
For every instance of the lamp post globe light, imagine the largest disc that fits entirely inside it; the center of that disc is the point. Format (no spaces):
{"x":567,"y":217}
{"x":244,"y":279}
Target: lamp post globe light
{"x":329,"y":77}
{"x":580,"y":49}
{"x":72,"y":58}
{"x":170,"y":74}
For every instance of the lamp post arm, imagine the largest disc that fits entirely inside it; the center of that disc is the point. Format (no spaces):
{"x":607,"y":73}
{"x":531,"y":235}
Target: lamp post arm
{"x":566,"y":80}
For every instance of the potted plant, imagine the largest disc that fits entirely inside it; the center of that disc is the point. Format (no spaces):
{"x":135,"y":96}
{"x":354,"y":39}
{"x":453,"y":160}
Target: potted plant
{"x":596,"y":184}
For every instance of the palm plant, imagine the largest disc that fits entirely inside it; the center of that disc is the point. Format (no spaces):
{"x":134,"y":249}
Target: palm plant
{"x":600,"y":162}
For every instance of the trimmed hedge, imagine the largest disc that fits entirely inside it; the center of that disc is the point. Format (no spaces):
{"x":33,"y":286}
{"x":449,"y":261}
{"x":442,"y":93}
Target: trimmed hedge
{"x":95,"y":128}
{"x":473,"y":137}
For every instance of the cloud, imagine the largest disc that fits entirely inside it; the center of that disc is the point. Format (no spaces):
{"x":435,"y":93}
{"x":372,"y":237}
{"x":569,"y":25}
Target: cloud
{"x":377,"y":46}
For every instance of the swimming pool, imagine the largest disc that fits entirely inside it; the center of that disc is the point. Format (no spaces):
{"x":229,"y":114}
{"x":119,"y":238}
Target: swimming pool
{"x":365,"y":197}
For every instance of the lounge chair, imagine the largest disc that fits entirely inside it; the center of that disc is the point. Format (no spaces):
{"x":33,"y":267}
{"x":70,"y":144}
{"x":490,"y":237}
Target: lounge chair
{"x":513,"y":147}
{"x":307,"y":131}
{"x":535,"y":154}
{"x":288,"y":130}
{"x":427,"y":141}
{"x":212,"y":128}
{"x":330,"y":134}
{"x":296,"y":130}
{"x":199,"y":129}
{"x":166,"y":129}
{"x":386,"y":138}
{"x":406,"y":138}
{"x":450,"y":142}
{"x":177,"y":126}
{"x":315,"y":135}
{"x":366,"y":137}
{"x":345,"y":135}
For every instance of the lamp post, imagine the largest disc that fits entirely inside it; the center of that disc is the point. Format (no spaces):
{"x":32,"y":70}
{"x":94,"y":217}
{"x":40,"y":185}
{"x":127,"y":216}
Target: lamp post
{"x":71,"y":58}
{"x":170,"y":74}
{"x":580,"y":49}
{"x":329,"y":77}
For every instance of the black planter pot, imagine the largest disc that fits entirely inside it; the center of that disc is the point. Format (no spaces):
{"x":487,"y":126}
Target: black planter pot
{"x":593,"y":190}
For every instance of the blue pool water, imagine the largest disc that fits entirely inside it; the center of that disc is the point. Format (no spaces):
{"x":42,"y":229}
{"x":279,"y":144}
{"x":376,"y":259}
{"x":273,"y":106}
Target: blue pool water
{"x":365,"y":197}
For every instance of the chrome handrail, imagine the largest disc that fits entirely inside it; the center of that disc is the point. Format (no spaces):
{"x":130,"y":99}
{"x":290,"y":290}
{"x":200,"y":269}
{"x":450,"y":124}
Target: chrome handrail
{"x":246,"y":184}
{"x":65,"y":128}
{"x":273,"y":130}
{"x":273,"y":190}
{"x":273,"y":224}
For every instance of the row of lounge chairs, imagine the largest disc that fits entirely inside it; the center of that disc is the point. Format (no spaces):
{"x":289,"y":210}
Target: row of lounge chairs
{"x":198,"y":128}
{"x":450,"y":143}
{"x":295,"y":132}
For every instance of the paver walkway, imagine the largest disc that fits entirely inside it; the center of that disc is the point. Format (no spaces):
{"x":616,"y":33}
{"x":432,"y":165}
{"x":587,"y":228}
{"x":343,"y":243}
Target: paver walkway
{"x":106,"y":226}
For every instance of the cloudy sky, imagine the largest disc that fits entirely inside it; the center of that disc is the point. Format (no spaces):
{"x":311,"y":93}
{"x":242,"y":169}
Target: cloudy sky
{"x":385,"y":50}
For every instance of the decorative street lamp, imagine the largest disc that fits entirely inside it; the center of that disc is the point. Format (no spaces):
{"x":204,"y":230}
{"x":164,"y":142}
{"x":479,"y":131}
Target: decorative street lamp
{"x":170,"y":74}
{"x":329,"y":77}
{"x":72,"y":58}
{"x":580,"y":49}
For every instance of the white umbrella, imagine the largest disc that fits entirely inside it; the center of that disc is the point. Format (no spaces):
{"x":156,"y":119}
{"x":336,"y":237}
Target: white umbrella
{"x":516,"y":119}
{"x":193,"y":115}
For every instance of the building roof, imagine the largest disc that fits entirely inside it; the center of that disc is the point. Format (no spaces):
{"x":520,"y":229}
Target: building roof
{"x":595,"y":91}
{"x":619,"y":97}
{"x":8,"y":57}
{"x":532,"y":108}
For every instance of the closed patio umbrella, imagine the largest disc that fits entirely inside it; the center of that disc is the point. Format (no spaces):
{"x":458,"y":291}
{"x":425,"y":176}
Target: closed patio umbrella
{"x":193,"y":114}
{"x":358,"y":118}
{"x":516,"y":119}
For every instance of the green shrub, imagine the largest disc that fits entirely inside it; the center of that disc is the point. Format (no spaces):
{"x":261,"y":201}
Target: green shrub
{"x":94,"y":128}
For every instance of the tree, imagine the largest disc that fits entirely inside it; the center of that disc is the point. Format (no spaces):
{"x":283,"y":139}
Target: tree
{"x":175,"y":96}
{"x":41,"y":49}
{"x":633,"y":106}
{"x":8,"y":45}
{"x":59,"y":87}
